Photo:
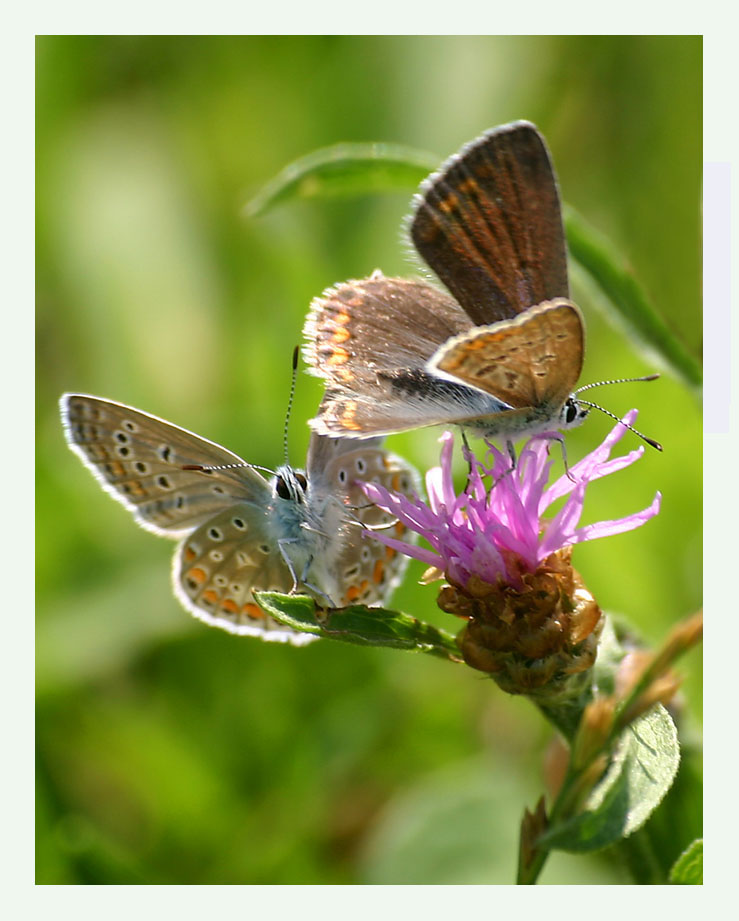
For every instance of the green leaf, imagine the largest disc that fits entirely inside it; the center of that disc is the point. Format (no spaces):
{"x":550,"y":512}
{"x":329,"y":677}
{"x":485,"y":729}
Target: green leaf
{"x":688,"y":868}
{"x":345,"y":170}
{"x":650,"y":852}
{"x":360,"y":625}
{"x":641,"y":772}
{"x":625,"y":301}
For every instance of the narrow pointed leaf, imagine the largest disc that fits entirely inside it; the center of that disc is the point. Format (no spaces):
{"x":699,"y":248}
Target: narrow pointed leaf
{"x":626,"y":301}
{"x":345,"y":170}
{"x":360,"y":625}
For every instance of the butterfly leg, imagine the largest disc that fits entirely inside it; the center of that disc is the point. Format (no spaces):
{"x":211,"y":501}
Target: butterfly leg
{"x":510,"y":447}
{"x":314,"y":588}
{"x":300,"y":580}
{"x":467,"y":453}
{"x":561,"y":440}
{"x":288,"y":562}
{"x":354,"y":519}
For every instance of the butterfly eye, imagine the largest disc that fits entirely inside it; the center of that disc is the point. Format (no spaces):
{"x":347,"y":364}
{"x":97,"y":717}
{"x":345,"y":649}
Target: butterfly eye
{"x":281,"y":488}
{"x":571,"y":412}
{"x":302,"y":481}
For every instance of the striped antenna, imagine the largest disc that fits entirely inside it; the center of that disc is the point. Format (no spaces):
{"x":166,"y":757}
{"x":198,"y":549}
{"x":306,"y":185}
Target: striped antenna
{"x":290,"y":401}
{"x":649,"y":441}
{"x":620,"y":380}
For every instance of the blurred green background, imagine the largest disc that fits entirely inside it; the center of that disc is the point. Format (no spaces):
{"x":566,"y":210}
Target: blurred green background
{"x":170,"y":752}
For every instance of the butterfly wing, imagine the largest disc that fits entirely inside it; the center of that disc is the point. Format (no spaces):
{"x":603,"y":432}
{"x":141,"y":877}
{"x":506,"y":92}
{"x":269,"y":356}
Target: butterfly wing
{"x":230,"y":536}
{"x":218,"y":566}
{"x":531,"y":361}
{"x":377,"y":323}
{"x":370,"y":340}
{"x":138,"y":459}
{"x":489,"y":224}
{"x":359,"y":569}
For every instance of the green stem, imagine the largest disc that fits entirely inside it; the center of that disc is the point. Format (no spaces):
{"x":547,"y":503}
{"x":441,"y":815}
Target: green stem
{"x":528,"y":875}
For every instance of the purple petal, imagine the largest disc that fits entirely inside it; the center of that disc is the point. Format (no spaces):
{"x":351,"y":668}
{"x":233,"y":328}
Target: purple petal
{"x":561,"y":528}
{"x":617,"y":525}
{"x":418,"y":553}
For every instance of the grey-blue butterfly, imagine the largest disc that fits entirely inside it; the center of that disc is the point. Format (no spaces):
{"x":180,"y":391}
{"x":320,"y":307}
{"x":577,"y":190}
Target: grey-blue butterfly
{"x":239,"y":532}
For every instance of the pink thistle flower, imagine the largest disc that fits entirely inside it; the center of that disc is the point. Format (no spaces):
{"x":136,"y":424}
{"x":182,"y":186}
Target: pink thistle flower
{"x":531,"y":621}
{"x":497,"y":533}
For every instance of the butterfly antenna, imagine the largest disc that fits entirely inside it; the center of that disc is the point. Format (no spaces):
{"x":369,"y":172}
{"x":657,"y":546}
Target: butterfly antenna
{"x":620,"y":380}
{"x":649,"y":441}
{"x":203,"y":468}
{"x":296,"y":352}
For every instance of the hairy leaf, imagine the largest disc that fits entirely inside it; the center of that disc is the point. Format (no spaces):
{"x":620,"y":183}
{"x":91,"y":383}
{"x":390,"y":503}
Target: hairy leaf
{"x":641,"y":772}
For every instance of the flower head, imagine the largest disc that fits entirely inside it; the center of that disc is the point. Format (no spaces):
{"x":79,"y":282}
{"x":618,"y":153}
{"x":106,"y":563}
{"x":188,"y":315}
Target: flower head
{"x":531,"y":622}
{"x":499,"y":532}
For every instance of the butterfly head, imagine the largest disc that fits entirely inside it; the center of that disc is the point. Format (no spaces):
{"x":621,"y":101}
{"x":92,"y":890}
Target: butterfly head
{"x":573,"y":413}
{"x":290,"y":485}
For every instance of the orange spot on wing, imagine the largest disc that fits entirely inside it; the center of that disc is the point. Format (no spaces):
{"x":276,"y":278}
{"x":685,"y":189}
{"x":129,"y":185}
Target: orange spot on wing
{"x":396,"y":482}
{"x":390,"y":552}
{"x":352,"y":593}
{"x":468,"y":185}
{"x":341,"y":335}
{"x":378,"y":571}
{"x":229,"y":606}
{"x":347,"y":416}
{"x":189,"y":554}
{"x":210,"y":596}
{"x":449,"y":204}
{"x":399,"y":528}
{"x":339,"y":356}
{"x":197,"y":575}
{"x":252,"y":610}
{"x":342,"y":317}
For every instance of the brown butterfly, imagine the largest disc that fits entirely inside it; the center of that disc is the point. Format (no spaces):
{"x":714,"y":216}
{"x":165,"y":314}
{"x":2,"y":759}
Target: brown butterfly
{"x":503,"y":353}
